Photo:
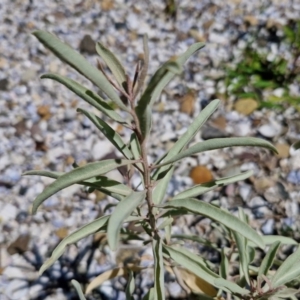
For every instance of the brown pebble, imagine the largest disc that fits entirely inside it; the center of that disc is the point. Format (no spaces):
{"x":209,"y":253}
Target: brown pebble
{"x":201,"y":174}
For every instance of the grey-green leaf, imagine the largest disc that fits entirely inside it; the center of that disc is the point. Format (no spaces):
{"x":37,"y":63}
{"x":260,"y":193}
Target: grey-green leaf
{"x":43,"y":173}
{"x":241,"y":243}
{"x":224,"y":265}
{"x":77,"y":235}
{"x":159,"y":287}
{"x":113,"y":63}
{"x":144,"y":107}
{"x":136,"y":149}
{"x":220,"y":143}
{"x":130,"y":286}
{"x":286,"y":293}
{"x":215,"y":213}
{"x":206,"y":187}
{"x":110,"y":134}
{"x":167,"y":77}
{"x":161,"y":187}
{"x":189,"y":52}
{"x":76,"y":176}
{"x":121,"y":212}
{"x":288,"y":271}
{"x":191,"y":261}
{"x":88,"y":96}
{"x":149,"y":295}
{"x":268,"y":260}
{"x":143,"y":73}
{"x":79,"y":63}
{"x":231,"y":286}
{"x":78,"y":289}
{"x":106,"y":185}
{"x":189,"y":134}
{"x":195,"y":238}
{"x":166,"y":222}
{"x":270,"y":239}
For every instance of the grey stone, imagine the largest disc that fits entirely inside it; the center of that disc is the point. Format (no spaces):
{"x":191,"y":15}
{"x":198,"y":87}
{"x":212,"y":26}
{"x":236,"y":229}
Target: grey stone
{"x":87,"y":45}
{"x":4,"y":83}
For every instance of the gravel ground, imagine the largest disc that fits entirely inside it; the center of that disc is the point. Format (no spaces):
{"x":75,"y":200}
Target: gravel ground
{"x":40,"y":129}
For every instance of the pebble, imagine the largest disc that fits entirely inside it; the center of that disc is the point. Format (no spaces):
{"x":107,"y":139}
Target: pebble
{"x":56,"y":153}
{"x":268,"y":227}
{"x":174,"y":289}
{"x":4,"y":83}
{"x":270,"y":130}
{"x":101,"y":149}
{"x":201,"y":174}
{"x":87,"y":45}
{"x":4,"y":162}
{"x":294,"y":177}
{"x":8,"y":212}
{"x":283,"y":150}
{"x":242,"y":128}
{"x":246,"y":106}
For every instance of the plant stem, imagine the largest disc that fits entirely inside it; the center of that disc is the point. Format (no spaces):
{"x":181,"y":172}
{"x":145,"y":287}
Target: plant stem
{"x":147,"y":168}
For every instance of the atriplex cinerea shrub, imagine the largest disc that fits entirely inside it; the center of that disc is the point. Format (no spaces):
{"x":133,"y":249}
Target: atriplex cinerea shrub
{"x":146,"y":206}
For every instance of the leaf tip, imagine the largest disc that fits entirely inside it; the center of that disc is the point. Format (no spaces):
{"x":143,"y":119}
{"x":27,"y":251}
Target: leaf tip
{"x":36,"y":32}
{"x":42,"y":269}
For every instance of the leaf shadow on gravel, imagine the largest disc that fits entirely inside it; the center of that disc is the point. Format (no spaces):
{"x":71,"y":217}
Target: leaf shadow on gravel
{"x":59,"y":278}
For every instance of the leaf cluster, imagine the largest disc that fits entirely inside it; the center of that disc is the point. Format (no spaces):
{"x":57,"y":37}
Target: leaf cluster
{"x":146,"y":207}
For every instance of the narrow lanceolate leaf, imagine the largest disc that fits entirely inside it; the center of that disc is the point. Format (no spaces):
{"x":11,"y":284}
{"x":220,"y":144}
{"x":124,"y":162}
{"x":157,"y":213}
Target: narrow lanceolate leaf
{"x":241,"y":244}
{"x":77,"y":235}
{"x":149,"y":295}
{"x":144,"y":107}
{"x":231,"y":286}
{"x":189,"y":52}
{"x":288,"y":271}
{"x":268,"y":260}
{"x":224,"y":266}
{"x":88,"y":96}
{"x":168,"y":232}
{"x":110,"y":134}
{"x":136,"y":149}
{"x":113,"y":63}
{"x":159,"y":85}
{"x":206,"y":187}
{"x":161,"y":187}
{"x":107,"y":275}
{"x":159,"y":284}
{"x":220,"y":143}
{"x":130,"y":286}
{"x":221,"y":216}
{"x":78,"y":289}
{"x":195,"y":238}
{"x":78,"y":175}
{"x":189,"y":134}
{"x":286,"y":293}
{"x":191,"y":262}
{"x":121,"y":212}
{"x":79,"y":63}
{"x":107,"y":185}
{"x":270,"y":239}
{"x":143,"y":74}
{"x":43,"y":173}
{"x":167,"y":221}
